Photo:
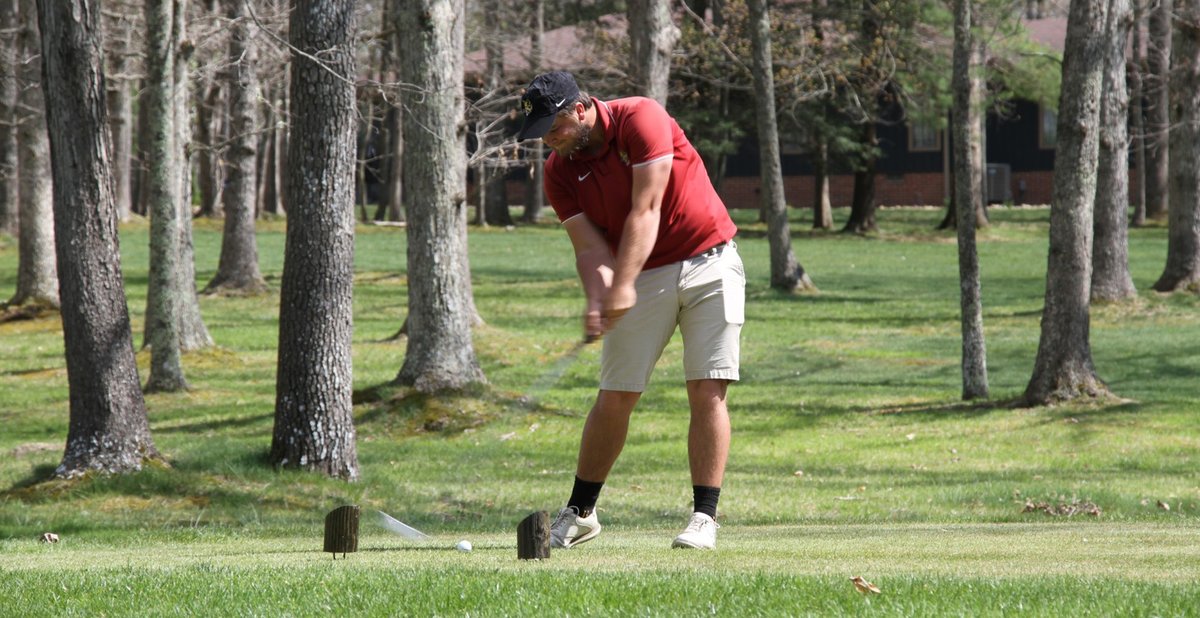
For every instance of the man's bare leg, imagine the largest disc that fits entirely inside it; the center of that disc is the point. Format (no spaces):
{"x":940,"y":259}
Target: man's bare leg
{"x":708,"y":433}
{"x":604,"y":434}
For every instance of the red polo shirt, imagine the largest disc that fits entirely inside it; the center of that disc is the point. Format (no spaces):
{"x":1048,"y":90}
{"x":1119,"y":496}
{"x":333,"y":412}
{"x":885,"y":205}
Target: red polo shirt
{"x":638,"y":131}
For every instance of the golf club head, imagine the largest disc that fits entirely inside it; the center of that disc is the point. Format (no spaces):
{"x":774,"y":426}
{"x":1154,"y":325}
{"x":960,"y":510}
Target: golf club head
{"x":395,"y":526}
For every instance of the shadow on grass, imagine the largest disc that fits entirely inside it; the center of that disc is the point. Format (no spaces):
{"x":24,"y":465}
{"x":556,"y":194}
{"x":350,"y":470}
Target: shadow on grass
{"x":235,"y":422}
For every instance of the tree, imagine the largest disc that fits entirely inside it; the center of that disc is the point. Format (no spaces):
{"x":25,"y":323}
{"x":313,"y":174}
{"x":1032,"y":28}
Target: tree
{"x":786,"y":273}
{"x":237,"y":270}
{"x":208,"y":101}
{"x":440,"y":354}
{"x":37,"y":272}
{"x":1158,"y":113}
{"x":108,"y":430}
{"x":1182,"y":271}
{"x":968,"y":181}
{"x":393,"y":199}
{"x":869,"y":81}
{"x":314,"y":427}
{"x":1137,"y":120}
{"x":162,"y":306}
{"x":652,"y":36}
{"x":534,"y":200}
{"x":193,"y":334}
{"x":822,"y":206}
{"x":1063,"y":369}
{"x":121,"y":61}
{"x":1111,"y":280}
{"x":493,"y":170}
{"x":9,"y":51}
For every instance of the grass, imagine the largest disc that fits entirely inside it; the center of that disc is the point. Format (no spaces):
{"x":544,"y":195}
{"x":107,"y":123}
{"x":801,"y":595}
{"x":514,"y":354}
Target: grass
{"x":852,"y":453}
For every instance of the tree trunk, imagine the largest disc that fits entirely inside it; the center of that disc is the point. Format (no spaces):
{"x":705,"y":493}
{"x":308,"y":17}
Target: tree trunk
{"x":652,"y":36}
{"x":862,"y":206}
{"x":534,"y":195}
{"x":9,"y":51}
{"x":1137,"y":116}
{"x":1158,"y":113}
{"x":268,"y":195}
{"x":209,"y":177}
{"x":314,"y":427}
{"x":109,"y":431}
{"x":138,"y":172}
{"x":193,"y":334}
{"x":1063,"y":369}
{"x":394,"y":195}
{"x":1182,"y":271}
{"x":394,"y":191}
{"x":968,"y":142}
{"x":440,"y":354}
{"x":237,"y":270}
{"x":870,"y":82}
{"x":162,"y":305}
{"x":493,"y":178}
{"x":1111,"y":280}
{"x":786,"y":273}
{"x":822,"y":205}
{"x":120,"y":104}
{"x":279,"y":162}
{"x":37,"y":271}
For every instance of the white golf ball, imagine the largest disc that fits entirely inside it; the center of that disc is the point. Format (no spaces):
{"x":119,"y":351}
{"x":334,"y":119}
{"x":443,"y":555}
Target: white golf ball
{"x":463,"y":545}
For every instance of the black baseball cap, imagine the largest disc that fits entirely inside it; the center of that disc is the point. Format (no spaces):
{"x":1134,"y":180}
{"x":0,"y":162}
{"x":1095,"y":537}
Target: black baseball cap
{"x":547,"y":94}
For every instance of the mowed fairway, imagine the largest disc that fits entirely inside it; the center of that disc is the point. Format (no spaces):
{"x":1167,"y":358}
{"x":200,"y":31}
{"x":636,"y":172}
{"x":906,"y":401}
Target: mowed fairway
{"x":852,"y":453}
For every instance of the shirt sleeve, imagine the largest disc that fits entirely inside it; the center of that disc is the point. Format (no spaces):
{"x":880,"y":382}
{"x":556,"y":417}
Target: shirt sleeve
{"x":562,"y":199}
{"x":648,"y":133}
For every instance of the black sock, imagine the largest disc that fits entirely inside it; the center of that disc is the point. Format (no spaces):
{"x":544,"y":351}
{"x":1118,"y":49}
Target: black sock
{"x":584,"y":496}
{"x":706,"y":499}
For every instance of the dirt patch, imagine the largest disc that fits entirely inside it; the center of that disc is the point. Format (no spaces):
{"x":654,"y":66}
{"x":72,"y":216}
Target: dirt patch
{"x":1063,"y":509}
{"x":28,"y":448}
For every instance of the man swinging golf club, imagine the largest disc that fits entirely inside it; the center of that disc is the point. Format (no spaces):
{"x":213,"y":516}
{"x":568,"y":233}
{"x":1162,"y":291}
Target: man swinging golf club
{"x":654,"y":250}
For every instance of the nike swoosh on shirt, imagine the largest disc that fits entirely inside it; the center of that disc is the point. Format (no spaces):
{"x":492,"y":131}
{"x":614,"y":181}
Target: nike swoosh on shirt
{"x":584,"y":176}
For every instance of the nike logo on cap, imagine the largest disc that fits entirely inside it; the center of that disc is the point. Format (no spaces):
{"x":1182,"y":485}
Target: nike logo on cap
{"x":559,"y":104}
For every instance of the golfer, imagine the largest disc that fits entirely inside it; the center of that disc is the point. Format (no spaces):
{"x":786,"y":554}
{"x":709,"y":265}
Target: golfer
{"x":654,"y":250}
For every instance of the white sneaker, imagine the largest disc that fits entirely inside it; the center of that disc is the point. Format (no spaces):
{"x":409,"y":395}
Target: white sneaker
{"x":701,"y":533}
{"x":569,"y":529}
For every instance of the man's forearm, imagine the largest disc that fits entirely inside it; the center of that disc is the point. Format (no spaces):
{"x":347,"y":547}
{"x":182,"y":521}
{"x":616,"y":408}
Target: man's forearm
{"x":595,"y":268}
{"x":637,"y":240}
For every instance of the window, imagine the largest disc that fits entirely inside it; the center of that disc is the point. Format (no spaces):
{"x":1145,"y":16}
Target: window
{"x":924,"y":137}
{"x":1048,"y":129}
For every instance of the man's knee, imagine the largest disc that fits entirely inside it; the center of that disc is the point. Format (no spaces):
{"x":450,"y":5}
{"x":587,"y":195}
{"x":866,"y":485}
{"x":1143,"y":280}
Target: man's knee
{"x":613,"y":402}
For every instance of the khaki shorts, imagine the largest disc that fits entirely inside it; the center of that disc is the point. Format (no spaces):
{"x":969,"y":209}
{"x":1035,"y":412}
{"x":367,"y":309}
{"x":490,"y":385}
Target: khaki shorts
{"x":705,"y":297}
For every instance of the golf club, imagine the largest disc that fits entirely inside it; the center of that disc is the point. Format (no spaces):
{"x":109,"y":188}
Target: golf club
{"x":554,"y":373}
{"x":395,"y":526}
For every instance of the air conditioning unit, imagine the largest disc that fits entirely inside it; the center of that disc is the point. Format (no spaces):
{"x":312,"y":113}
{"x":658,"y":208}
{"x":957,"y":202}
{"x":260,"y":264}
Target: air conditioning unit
{"x":998,"y":184}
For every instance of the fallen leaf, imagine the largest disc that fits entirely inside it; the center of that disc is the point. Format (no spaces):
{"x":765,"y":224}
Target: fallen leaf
{"x":865,"y":586}
{"x":508,"y":436}
{"x":798,"y":473}
{"x":911,"y":436}
{"x":1164,"y":506}
{"x":49,"y":537}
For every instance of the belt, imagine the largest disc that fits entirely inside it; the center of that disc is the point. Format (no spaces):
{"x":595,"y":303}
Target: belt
{"x":713,"y":250}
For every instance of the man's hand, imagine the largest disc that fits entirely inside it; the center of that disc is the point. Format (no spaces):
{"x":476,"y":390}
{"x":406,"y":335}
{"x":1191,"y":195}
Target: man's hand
{"x":619,"y":301}
{"x":593,"y":325}
{"x":594,"y":262}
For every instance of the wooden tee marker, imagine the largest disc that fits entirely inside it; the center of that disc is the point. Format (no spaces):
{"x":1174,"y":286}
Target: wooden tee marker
{"x":341,"y":530}
{"x":533,"y":537}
